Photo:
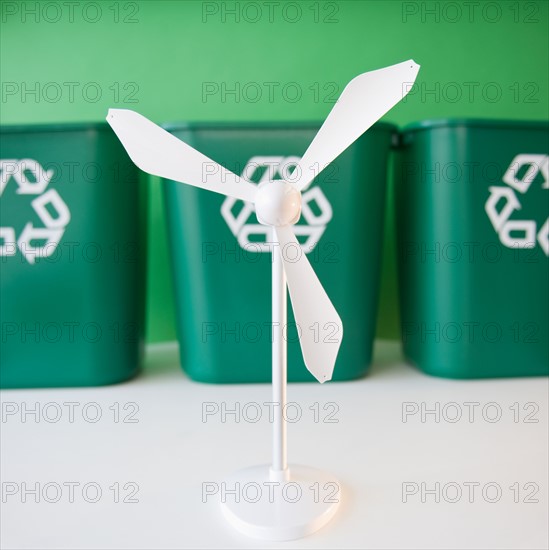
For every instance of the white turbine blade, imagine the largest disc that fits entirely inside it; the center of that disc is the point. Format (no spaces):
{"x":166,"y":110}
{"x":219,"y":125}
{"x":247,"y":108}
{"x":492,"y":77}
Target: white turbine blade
{"x":319,"y":326}
{"x":158,"y":152}
{"x":362,"y":103}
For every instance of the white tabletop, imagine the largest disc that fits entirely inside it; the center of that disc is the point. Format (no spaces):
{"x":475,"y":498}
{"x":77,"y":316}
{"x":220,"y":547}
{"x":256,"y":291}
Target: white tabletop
{"x":388,"y":467}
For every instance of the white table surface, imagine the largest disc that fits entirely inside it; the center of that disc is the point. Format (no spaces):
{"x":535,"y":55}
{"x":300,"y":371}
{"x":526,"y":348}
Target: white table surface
{"x":170,"y":452}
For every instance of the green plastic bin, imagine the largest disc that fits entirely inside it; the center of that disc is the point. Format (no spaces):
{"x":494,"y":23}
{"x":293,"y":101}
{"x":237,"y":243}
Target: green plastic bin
{"x":472,"y":205}
{"x":71,"y":257}
{"x":223,"y":279}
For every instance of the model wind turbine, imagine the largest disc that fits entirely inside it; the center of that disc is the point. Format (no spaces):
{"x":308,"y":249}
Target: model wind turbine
{"x":292,"y":502}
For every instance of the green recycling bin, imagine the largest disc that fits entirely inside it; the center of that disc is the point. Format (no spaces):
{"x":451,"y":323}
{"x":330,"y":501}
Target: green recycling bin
{"x":71,"y":257}
{"x":472,"y":205}
{"x":221,"y":261}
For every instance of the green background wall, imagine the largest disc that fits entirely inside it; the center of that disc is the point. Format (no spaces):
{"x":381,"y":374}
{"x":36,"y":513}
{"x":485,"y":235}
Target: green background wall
{"x":479,"y":59}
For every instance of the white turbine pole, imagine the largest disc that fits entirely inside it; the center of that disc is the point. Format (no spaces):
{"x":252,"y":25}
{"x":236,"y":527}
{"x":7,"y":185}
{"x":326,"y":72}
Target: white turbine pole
{"x":279,"y":467}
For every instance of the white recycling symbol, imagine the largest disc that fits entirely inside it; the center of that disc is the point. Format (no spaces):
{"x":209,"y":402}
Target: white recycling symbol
{"x":516,"y":233}
{"x":45,"y":202}
{"x":315,"y":208}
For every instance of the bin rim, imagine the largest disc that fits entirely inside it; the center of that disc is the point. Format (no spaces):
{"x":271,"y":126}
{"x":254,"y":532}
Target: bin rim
{"x":54,"y":127}
{"x":259,"y":124}
{"x":429,"y":124}
{"x":177,"y":125}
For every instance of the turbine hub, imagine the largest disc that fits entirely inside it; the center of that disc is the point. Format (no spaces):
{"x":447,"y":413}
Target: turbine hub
{"x":277,"y":203}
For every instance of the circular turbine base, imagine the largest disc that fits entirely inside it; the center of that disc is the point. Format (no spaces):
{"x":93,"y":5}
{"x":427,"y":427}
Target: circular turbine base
{"x":259,"y":506}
